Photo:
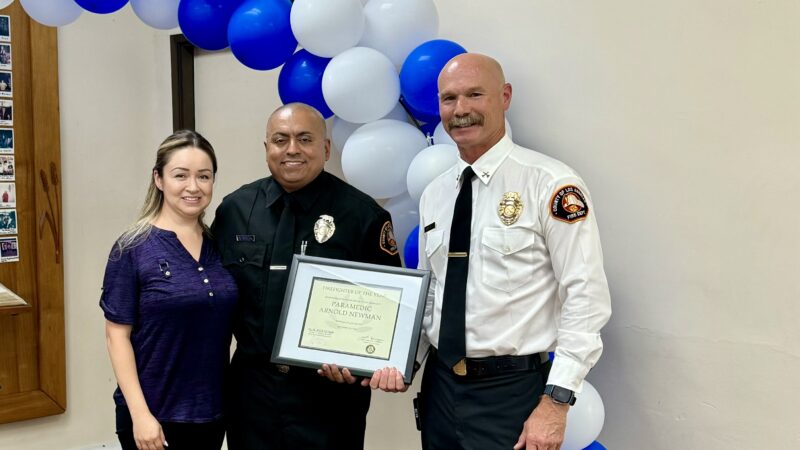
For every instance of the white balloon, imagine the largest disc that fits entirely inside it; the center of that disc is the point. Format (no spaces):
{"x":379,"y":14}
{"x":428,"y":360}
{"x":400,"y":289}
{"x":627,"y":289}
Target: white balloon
{"x":397,"y":113}
{"x":376,"y":157}
{"x":427,"y":165}
{"x":396,"y":27}
{"x":4,"y":3}
{"x":584,"y":419}
{"x":405,"y":216}
{"x":342,"y":129}
{"x":53,"y":13}
{"x":441,"y":137}
{"x":327,"y":27}
{"x":360,"y":85}
{"x":160,"y":14}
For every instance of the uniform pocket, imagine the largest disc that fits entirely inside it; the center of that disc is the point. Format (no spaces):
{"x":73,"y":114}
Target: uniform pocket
{"x":244,"y":253}
{"x":436,"y":252}
{"x":507,"y":257}
{"x":246,"y":262}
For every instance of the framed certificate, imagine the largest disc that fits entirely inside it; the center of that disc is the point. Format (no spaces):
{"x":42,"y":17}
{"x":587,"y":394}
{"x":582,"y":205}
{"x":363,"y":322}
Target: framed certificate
{"x":361,"y":316}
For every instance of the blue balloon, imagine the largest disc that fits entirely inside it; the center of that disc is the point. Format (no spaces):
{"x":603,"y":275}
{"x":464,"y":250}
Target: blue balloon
{"x":417,"y":114}
{"x":428,"y":128}
{"x":205,"y":22}
{"x":101,"y":6}
{"x":301,"y":81}
{"x":552,"y":355}
{"x":411,"y":250}
{"x":595,"y":446}
{"x":420,"y":73}
{"x":260,"y":33}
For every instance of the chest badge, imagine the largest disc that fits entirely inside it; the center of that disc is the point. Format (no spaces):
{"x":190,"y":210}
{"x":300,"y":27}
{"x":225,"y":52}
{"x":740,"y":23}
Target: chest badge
{"x":510,"y":208}
{"x":324,"y":228}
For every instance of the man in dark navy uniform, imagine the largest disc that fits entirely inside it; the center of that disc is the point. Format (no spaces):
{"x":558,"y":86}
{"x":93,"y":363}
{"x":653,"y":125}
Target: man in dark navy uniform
{"x":298,"y":209}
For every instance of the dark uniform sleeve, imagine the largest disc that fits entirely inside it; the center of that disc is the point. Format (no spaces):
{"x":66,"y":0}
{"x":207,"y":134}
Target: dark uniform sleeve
{"x":379,"y":245}
{"x":218,"y":227}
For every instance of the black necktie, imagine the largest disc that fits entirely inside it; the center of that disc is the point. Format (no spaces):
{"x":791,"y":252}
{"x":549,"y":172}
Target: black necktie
{"x":280,"y":263}
{"x":452,"y":334}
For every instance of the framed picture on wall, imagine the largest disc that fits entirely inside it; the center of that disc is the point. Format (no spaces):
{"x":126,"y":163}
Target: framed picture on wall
{"x":6,"y":112}
{"x":5,"y":28}
{"x":9,"y":252}
{"x":8,"y":221}
{"x":5,"y":56}
{"x":8,"y":195}
{"x":7,"y":168}
{"x":5,"y":84}
{"x":6,"y":140}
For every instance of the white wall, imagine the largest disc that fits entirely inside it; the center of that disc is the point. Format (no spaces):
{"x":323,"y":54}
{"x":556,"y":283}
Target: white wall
{"x":682,"y":117}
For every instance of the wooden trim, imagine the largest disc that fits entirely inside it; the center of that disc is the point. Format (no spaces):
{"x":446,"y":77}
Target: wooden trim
{"x":182,"y":57}
{"x":14,"y":310}
{"x":28,"y":405}
{"x":49,"y":249}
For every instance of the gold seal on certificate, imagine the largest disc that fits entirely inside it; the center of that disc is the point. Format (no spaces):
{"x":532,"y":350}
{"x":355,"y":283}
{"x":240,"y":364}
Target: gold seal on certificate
{"x":350,"y":318}
{"x":360,"y":316}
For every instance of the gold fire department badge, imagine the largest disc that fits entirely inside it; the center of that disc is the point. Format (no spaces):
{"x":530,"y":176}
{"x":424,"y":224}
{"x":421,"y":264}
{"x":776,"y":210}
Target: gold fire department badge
{"x":510,"y":208}
{"x":324,"y":228}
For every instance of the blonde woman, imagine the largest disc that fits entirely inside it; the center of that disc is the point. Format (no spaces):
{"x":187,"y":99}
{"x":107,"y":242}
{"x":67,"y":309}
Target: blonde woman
{"x":168,"y":303}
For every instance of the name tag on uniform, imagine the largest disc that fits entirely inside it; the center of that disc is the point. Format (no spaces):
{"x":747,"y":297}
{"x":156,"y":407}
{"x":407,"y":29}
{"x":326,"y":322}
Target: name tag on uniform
{"x":429,"y":227}
{"x":245,"y":238}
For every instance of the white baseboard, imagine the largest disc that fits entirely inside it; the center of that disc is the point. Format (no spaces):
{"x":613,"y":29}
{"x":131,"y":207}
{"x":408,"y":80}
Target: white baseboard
{"x":106,"y":446}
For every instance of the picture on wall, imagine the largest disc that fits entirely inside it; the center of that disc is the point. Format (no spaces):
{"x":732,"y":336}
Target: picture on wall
{"x":5,"y":28}
{"x":7,"y":168}
{"x":5,"y":56}
{"x":5,"y":84}
{"x":6,"y":112}
{"x":8,"y":195}
{"x":9,"y":250}
{"x":8,"y":221}
{"x":6,"y":140}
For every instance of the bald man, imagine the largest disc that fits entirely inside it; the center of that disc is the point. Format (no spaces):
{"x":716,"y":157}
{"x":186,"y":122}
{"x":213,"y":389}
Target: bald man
{"x":511,"y":238}
{"x":276,"y":406}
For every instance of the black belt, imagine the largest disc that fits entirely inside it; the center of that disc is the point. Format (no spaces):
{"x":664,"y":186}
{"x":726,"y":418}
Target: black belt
{"x":496,"y":365}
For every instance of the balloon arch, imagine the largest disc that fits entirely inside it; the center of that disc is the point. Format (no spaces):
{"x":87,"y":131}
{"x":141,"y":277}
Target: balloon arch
{"x":372,"y":64}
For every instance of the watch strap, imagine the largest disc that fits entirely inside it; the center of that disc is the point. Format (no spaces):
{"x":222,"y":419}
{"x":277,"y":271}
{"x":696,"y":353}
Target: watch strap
{"x":560,"y":395}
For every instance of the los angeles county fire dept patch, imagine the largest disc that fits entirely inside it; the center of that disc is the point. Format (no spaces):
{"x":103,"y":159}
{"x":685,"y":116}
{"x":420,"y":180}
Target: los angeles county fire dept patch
{"x":569,"y":205}
{"x":388,"y":242}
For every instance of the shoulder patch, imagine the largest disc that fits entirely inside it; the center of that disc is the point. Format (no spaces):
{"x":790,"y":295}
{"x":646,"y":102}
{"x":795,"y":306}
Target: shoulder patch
{"x":387,"y":240}
{"x":569,"y":204}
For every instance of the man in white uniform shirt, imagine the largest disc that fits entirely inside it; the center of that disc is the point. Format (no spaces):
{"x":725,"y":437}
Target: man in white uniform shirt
{"x":531,"y":276}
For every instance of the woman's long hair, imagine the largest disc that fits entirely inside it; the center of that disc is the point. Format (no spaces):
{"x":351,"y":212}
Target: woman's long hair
{"x":154,"y":200}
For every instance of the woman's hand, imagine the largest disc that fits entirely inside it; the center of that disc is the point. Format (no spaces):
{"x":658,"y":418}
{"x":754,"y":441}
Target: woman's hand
{"x":147,"y":433}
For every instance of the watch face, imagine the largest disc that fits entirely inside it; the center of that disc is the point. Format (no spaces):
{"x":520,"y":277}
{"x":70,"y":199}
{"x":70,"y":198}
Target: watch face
{"x":560,"y":395}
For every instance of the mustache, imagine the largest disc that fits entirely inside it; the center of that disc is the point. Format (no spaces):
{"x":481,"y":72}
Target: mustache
{"x":465,"y":121}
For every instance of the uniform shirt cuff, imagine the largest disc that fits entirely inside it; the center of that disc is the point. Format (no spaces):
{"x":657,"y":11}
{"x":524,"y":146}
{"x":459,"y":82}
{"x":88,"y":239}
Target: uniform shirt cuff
{"x":568,"y":374}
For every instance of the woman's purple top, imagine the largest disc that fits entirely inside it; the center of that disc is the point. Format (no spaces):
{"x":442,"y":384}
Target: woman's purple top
{"x":180,"y":310}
